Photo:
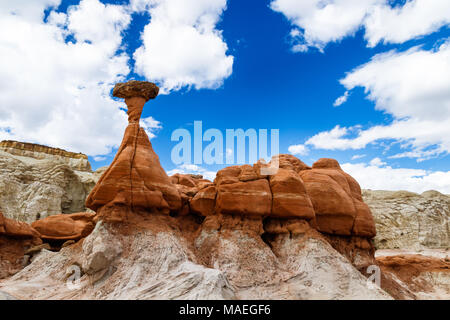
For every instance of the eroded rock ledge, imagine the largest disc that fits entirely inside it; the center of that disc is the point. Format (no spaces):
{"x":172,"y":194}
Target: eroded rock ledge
{"x":78,"y":161}
{"x":24,"y":146}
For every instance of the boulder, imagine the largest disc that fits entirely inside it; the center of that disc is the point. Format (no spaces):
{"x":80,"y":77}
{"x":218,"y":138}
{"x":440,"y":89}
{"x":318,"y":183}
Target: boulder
{"x":204,"y":201}
{"x":247,"y":173}
{"x":16,"y":229}
{"x":334,"y":208}
{"x":288,"y":161}
{"x":364,"y":225}
{"x":65,"y":226}
{"x":290,"y":199}
{"x":251,"y":198}
{"x":183,"y":179}
{"x":227,"y":175}
{"x":326,"y":163}
{"x":134,"y":88}
{"x":337,"y":200}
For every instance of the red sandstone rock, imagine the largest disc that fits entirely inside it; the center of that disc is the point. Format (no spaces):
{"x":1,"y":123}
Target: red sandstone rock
{"x":183,"y":179}
{"x":355,"y":189}
{"x":204,"y":201}
{"x":135,"y":178}
{"x":334,"y":208}
{"x":283,"y":226}
{"x":247,"y":173}
{"x":65,"y":226}
{"x":259,"y":166}
{"x":290,"y":199}
{"x":2,"y":223}
{"x":17,"y":229}
{"x":341,"y":211}
{"x":227,"y":175}
{"x":288,"y":161}
{"x":326,"y":163}
{"x":133,"y":88}
{"x":323,"y":194}
{"x":188,"y":191}
{"x":203,"y":183}
{"x":252,"y":198}
{"x":364,"y":224}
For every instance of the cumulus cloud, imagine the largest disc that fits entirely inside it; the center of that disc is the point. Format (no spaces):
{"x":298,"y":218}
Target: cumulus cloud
{"x":181,"y":45}
{"x":56,"y":75}
{"x":414,"y":87}
{"x":401,"y":23}
{"x":377,"y":162}
{"x":193,"y":169}
{"x":57,"y":69}
{"x":299,"y":149}
{"x":380,"y":177}
{"x":317,"y":22}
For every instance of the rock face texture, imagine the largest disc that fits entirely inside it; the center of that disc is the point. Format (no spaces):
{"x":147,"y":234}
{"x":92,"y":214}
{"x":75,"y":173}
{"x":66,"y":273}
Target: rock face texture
{"x":418,"y":275}
{"x":36,"y":183}
{"x":77,"y":161}
{"x":156,"y":256}
{"x":324,"y":194}
{"x":406,"y":220}
{"x":135,"y":179}
{"x":72,"y":226}
{"x":337,"y":200}
{"x":15,"y":238}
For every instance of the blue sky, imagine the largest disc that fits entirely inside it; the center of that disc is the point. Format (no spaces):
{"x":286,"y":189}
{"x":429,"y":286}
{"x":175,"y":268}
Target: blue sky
{"x":275,"y":64}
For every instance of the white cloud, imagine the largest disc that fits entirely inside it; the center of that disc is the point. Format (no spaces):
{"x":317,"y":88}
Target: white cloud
{"x":388,"y":178}
{"x":377,"y":162}
{"x":397,"y":25}
{"x":99,"y":158}
{"x":150,"y":126}
{"x":193,"y":169}
{"x":318,"y":22}
{"x":56,"y":92}
{"x":358,"y":156}
{"x":341,"y":99}
{"x":412,"y":86}
{"x":323,"y":21}
{"x":299,"y":149}
{"x":181,"y":45}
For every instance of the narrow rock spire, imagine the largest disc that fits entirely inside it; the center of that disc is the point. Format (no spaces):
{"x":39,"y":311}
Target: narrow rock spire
{"x":135,"y":180}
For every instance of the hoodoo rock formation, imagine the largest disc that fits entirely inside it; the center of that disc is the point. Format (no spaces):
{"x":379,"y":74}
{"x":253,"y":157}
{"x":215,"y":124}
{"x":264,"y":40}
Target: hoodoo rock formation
{"x":300,"y":232}
{"x":324,"y":195}
{"x":135,"y":179}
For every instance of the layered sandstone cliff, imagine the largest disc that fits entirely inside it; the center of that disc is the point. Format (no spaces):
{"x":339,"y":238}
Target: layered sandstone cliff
{"x":413,"y":241}
{"x":77,"y":161}
{"x":407,"y":220}
{"x":37,"y":181}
